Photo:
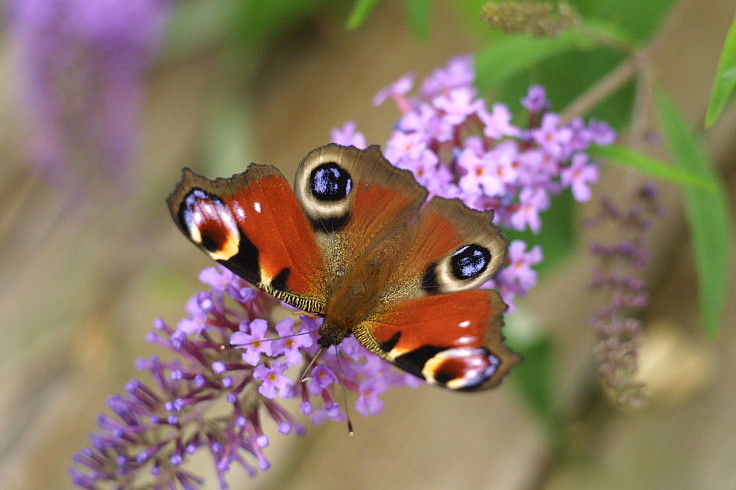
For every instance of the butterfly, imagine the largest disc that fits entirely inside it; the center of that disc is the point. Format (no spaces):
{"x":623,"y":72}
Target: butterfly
{"x":358,"y":243}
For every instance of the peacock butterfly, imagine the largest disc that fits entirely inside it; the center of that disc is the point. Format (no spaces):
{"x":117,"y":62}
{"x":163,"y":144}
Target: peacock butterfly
{"x":358,"y":243}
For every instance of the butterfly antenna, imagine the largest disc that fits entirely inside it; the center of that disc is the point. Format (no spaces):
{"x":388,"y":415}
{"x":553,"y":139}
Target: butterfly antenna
{"x":344,"y":395}
{"x":266,"y":339}
{"x":305,"y":374}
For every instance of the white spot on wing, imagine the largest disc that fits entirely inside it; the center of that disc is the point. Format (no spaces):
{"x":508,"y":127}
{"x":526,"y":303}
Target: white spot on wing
{"x":464,"y":324}
{"x":257,"y":206}
{"x":466,"y":340}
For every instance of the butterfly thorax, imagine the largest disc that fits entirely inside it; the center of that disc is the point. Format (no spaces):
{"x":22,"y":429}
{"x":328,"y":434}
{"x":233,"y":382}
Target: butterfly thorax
{"x":348,"y":307}
{"x":356,"y":294}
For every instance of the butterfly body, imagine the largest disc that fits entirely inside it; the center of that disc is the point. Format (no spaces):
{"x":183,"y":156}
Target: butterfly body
{"x":357,"y":243}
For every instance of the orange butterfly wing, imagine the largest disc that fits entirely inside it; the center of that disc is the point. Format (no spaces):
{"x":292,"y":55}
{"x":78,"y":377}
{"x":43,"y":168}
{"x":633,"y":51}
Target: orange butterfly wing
{"x":452,"y":340}
{"x":377,"y":200}
{"x":252,"y":224}
{"x":442,"y":329}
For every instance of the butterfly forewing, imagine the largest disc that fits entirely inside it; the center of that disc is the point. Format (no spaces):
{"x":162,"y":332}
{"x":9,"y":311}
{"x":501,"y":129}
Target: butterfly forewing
{"x":252,"y":224}
{"x":371,"y":199}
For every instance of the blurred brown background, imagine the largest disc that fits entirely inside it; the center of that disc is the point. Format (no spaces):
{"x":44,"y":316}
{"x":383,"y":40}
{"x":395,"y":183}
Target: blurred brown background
{"x":78,"y":291}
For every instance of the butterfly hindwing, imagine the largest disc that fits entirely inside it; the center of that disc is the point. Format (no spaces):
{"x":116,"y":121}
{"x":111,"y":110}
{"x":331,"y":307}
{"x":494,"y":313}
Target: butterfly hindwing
{"x":438,"y":327}
{"x":453,"y":248}
{"x":451,"y":340}
{"x":252,"y":224}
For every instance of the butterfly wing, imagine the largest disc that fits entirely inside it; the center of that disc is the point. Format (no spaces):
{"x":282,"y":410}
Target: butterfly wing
{"x":252,"y":224}
{"x":355,"y":199}
{"x":290,"y":243}
{"x":451,"y":340}
{"x":437,"y":326}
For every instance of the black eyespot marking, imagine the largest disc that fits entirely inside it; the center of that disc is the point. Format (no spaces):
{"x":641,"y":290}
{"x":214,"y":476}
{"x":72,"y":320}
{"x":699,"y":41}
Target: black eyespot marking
{"x":413,"y":361}
{"x":330,"y":182}
{"x":470,"y":261}
{"x":279,"y":282}
{"x":245,"y":262}
{"x":389,"y":344}
{"x":429,"y":281}
{"x":330,"y":225}
{"x":443,"y":377}
{"x":210,"y":243}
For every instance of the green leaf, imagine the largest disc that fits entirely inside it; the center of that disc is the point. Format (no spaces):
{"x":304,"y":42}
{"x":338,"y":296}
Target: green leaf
{"x":707,"y":214}
{"x":361,"y":10}
{"x":626,"y":157}
{"x":254,"y":25}
{"x":509,"y":55}
{"x":419,"y":12}
{"x":557,"y":237}
{"x":724,"y":83}
{"x":534,"y":376}
{"x":610,"y":33}
{"x":640,"y":19}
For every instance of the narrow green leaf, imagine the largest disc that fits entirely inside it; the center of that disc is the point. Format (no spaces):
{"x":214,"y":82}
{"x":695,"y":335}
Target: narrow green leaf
{"x":361,"y":10}
{"x":419,"y":13}
{"x":509,"y":55}
{"x":629,"y":158}
{"x":609,"y":32}
{"x":707,"y":214}
{"x":533,"y":377}
{"x":724,"y":82}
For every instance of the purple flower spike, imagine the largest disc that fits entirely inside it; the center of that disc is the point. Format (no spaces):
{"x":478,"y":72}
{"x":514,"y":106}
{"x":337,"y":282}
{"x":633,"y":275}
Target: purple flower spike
{"x":291,"y":344}
{"x":273,"y":379}
{"x":82,"y":63}
{"x":579,"y":176}
{"x":163,"y":423}
{"x":348,"y":136}
{"x":618,"y":331}
{"x":536,"y":99}
{"x":396,"y":90}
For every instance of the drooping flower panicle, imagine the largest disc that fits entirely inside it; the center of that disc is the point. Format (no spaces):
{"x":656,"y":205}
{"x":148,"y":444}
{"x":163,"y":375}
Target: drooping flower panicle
{"x":82,"y":64}
{"x":226,"y":350}
{"x":618,"y":279}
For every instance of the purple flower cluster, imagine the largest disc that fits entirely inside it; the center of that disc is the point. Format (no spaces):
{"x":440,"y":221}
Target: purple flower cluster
{"x":225,"y":351}
{"x":459,"y":148}
{"x":617,"y":279}
{"x":82,"y":63}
